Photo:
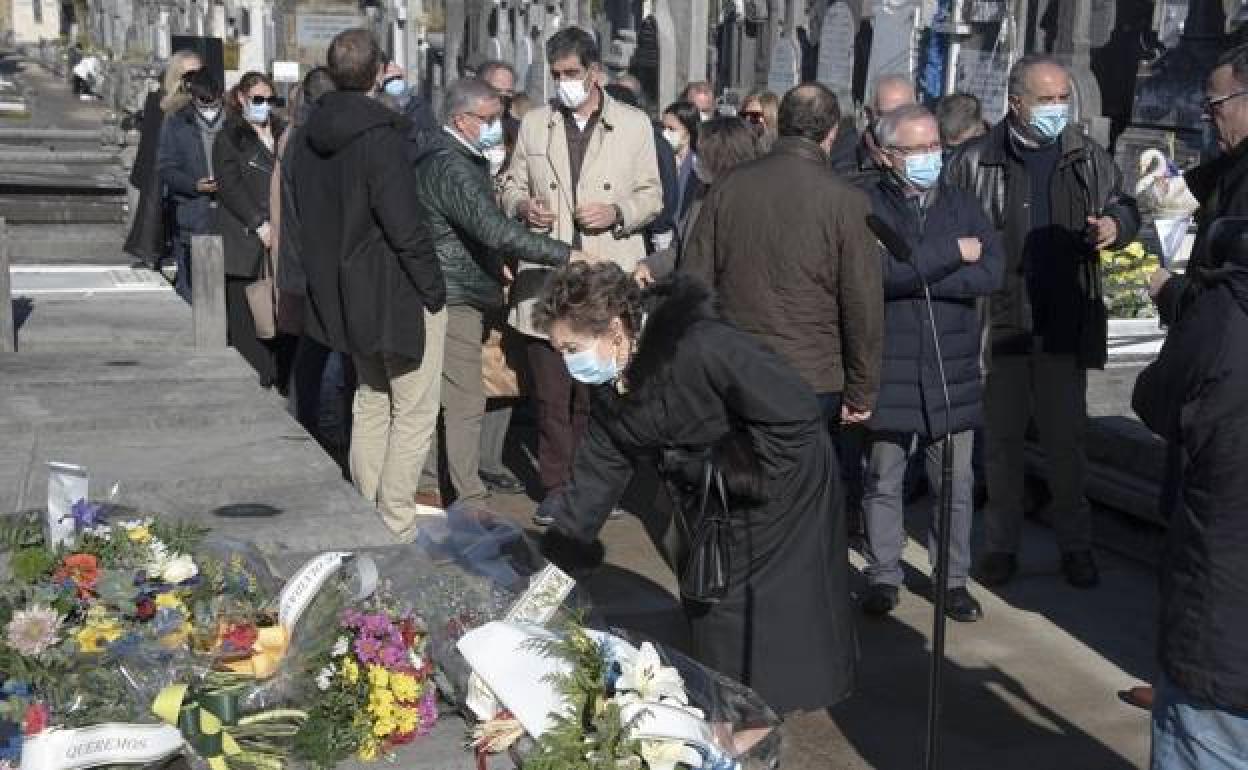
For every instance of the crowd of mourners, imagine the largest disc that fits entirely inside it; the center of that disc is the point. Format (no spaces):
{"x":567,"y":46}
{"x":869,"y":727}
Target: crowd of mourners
{"x":787,"y":319}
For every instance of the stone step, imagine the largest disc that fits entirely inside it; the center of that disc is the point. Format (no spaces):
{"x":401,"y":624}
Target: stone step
{"x":95,"y":243}
{"x":54,"y":209}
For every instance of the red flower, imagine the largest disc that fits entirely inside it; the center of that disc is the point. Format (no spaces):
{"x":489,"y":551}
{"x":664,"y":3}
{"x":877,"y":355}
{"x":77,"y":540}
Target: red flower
{"x":408,"y":630}
{"x":144,"y":609}
{"x":36,"y":719}
{"x":82,"y":569}
{"x":240,"y":638}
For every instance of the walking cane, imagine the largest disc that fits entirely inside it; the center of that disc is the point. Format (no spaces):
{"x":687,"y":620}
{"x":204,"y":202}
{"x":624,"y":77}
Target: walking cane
{"x":940,"y":578}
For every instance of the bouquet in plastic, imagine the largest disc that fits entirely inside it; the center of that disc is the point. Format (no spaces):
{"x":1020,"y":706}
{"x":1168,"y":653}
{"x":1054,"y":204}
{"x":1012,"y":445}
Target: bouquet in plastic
{"x":373,"y":690}
{"x":587,"y":699}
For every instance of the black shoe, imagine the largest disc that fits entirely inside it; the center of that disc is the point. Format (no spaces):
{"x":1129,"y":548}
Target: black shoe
{"x":1080,"y":569}
{"x":503,"y":483}
{"x":997,"y":568}
{"x":880,"y":600}
{"x":961,"y":606}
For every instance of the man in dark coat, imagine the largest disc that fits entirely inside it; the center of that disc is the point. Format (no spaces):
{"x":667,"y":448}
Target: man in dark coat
{"x":784,"y":243}
{"x":185,"y":161}
{"x":455,"y":195}
{"x":1195,"y":396}
{"x":374,"y":287}
{"x":1220,"y":184}
{"x":955,"y":252}
{"x":1056,"y":197}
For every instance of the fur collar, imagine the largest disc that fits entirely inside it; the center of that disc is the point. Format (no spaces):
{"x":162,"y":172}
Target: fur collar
{"x":675,"y":306}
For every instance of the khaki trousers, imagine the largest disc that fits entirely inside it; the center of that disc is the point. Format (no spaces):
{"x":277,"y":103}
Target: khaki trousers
{"x":395,"y":415}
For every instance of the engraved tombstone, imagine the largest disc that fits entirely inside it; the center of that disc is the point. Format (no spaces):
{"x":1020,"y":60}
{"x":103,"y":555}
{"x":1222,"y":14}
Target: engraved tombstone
{"x":783,"y":73}
{"x":836,"y":50}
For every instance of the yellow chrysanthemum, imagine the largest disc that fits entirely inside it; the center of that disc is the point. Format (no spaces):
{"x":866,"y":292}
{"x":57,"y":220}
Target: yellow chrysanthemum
{"x":350,"y":671}
{"x":404,"y":686}
{"x":378,"y":677}
{"x":169,"y":600}
{"x":1135,"y":249}
{"x":139,"y":534}
{"x":94,"y":637}
{"x":383,"y":727}
{"x":368,"y":752}
{"x":406,"y":719}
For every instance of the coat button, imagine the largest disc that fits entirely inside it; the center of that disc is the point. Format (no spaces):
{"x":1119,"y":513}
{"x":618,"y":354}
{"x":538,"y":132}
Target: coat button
{"x":606,"y":185}
{"x":554,"y":186}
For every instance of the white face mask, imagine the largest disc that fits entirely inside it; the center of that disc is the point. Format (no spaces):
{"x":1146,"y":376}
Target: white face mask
{"x":675,"y":138}
{"x":572,"y":93}
{"x":209,"y":114}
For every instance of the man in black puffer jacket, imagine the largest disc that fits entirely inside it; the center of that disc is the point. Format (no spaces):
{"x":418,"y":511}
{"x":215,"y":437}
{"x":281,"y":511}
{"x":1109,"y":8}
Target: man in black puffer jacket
{"x":471,"y":236}
{"x":955,"y":251}
{"x":1195,"y":396}
{"x":374,"y":287}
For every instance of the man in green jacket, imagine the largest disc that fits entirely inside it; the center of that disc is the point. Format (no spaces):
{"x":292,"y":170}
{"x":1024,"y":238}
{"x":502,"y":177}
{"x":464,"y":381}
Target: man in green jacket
{"x":473,"y":240}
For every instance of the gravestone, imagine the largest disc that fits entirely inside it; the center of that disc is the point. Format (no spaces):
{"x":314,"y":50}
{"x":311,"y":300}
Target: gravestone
{"x":984,"y":74}
{"x":784,"y":71}
{"x":894,"y":42}
{"x":836,"y":51}
{"x":315,"y":31}
{"x":987,"y":11}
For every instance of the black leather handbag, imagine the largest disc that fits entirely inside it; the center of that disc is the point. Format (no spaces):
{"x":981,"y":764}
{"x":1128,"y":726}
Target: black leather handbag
{"x":704,"y":573}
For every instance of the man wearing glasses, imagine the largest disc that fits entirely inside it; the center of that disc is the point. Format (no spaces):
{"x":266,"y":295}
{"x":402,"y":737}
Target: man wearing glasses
{"x":955,"y":251}
{"x":1056,"y":198}
{"x":1220,"y":183}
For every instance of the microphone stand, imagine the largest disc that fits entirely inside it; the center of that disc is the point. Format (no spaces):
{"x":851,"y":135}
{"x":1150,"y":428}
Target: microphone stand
{"x":893,"y":242}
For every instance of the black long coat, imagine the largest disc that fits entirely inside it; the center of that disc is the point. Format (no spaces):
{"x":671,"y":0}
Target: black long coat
{"x":910,"y":399}
{"x":148,"y":237}
{"x":785,"y":627}
{"x":370,"y":264}
{"x":243,"y":166}
{"x":1195,"y":395}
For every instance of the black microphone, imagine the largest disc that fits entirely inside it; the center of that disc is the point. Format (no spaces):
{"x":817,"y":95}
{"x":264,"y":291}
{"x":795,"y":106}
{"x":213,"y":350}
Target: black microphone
{"x":892,"y":241}
{"x":901,"y":249}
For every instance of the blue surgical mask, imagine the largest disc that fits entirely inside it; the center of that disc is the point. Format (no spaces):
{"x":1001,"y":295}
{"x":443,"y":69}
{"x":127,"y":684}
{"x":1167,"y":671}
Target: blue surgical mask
{"x":923,"y":170}
{"x":491,"y":135}
{"x":1049,"y":120}
{"x":586,"y":367}
{"x":258,"y":113}
{"x":395,"y":86}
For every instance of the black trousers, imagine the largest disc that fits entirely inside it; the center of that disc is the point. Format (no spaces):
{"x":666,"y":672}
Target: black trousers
{"x":562,"y":413}
{"x":270,"y":358}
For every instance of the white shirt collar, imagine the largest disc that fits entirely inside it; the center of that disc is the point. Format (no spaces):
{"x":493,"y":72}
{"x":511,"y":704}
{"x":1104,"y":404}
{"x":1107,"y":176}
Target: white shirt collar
{"x":460,"y":138}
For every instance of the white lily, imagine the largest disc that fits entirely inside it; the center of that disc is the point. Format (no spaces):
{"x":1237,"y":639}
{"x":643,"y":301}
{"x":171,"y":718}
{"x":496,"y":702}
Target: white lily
{"x":340,"y":647}
{"x":646,"y":676}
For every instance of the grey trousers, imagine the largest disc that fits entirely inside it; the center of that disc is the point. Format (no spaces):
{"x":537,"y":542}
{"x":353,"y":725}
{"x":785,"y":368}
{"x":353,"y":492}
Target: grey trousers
{"x":494,"y":427}
{"x":463,"y":402}
{"x":883,"y":506}
{"x":1052,"y":388}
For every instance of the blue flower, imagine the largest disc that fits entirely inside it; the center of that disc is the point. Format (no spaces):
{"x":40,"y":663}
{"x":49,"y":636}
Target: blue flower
{"x":87,"y":515}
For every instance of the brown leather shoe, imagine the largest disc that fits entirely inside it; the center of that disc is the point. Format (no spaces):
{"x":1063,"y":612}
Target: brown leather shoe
{"x":1140,"y":696}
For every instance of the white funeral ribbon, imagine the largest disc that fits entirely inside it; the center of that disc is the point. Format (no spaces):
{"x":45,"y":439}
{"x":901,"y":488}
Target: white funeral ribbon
{"x":104,"y":744}
{"x":303,"y":587}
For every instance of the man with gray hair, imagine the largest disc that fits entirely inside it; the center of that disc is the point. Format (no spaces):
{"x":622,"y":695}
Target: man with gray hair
{"x":470,"y":235}
{"x":888,"y":92}
{"x":955,"y":251}
{"x":1056,"y":197}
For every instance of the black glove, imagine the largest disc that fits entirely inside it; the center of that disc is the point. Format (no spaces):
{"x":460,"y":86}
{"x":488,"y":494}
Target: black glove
{"x":569,"y":554}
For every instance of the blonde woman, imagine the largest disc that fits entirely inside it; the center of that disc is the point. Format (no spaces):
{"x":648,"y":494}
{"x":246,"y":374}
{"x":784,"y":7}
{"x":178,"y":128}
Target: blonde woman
{"x":761,"y":110}
{"x":148,"y":237}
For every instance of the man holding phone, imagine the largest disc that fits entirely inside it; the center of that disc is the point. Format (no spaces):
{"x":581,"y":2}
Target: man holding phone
{"x":185,"y":163}
{"x":584,"y":170}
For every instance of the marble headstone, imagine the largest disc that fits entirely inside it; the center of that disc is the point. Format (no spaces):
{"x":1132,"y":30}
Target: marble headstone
{"x":984,"y":74}
{"x":785,"y":64}
{"x":894,"y":40}
{"x":836,"y":49}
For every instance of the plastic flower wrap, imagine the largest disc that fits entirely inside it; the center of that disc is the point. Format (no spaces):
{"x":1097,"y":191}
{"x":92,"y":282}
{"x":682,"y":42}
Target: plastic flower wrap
{"x":459,"y":574}
{"x":590,"y":698}
{"x":372,"y":690}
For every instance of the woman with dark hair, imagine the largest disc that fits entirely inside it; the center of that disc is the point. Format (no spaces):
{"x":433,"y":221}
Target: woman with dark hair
{"x":243,"y":159}
{"x":185,"y":162}
{"x":723,"y":144}
{"x":674,"y":382}
{"x":148,"y":239}
{"x":681,"y":123}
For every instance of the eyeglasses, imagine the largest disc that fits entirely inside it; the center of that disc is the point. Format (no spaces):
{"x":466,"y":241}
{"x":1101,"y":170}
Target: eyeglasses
{"x":919,"y":150}
{"x":1208,"y":105}
{"x":753,"y":116}
{"x":269,"y":100}
{"x":483,"y":118}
